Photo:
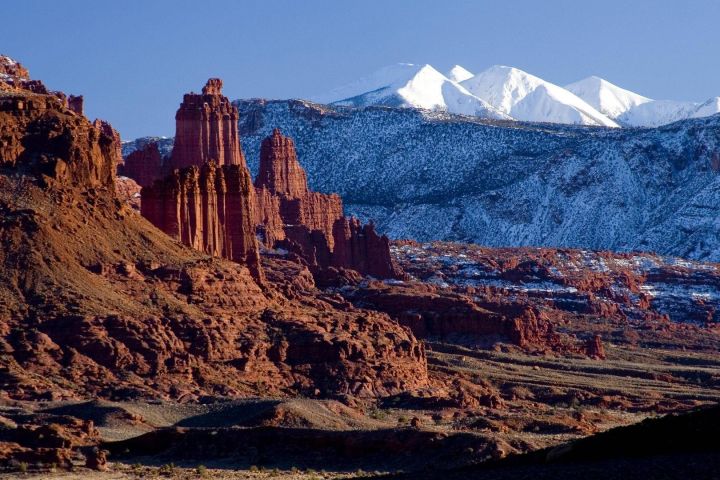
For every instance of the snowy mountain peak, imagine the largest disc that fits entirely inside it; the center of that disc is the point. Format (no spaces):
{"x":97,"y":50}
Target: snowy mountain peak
{"x":458,"y":74}
{"x":606,"y":97}
{"x":526,"y":97}
{"x":503,"y":92}
{"x":410,"y":85}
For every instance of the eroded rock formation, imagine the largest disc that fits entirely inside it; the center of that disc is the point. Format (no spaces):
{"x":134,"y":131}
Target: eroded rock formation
{"x":95,"y":302}
{"x":312,"y":224}
{"x":145,"y":165}
{"x":207,"y":201}
{"x":209,"y":208}
{"x":206,"y":129}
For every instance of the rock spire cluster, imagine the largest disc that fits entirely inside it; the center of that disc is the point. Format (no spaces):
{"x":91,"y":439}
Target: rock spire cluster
{"x":207,"y":199}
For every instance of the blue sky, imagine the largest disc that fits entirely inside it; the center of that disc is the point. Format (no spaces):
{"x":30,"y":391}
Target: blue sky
{"x":134,"y":59}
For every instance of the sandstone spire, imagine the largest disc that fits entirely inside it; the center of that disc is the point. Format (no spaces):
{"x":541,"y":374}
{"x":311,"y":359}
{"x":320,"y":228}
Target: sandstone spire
{"x":208,"y":200}
{"x":280,"y":172}
{"x":312,"y":224}
{"x":206,"y":129}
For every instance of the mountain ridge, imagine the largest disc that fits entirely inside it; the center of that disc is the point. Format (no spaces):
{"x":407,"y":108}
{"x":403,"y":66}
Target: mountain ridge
{"x":503,"y":92}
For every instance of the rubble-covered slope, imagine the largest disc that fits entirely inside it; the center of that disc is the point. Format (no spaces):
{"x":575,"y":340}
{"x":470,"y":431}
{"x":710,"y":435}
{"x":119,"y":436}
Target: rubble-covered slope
{"x":434,"y":176}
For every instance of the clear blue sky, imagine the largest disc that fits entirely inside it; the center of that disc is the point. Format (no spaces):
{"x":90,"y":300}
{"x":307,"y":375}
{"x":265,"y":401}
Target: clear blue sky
{"x":134,"y":59}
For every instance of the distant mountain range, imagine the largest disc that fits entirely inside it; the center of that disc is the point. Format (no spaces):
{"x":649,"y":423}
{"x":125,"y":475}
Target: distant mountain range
{"x":437,"y":176}
{"x":502,"y":92}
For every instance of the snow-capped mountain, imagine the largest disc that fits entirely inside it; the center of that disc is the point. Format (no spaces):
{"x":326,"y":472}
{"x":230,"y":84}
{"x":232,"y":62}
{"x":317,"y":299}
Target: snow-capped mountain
{"x":431,"y":175}
{"x":662,"y":112}
{"x":508,"y":93}
{"x":606,"y":97}
{"x":634,"y":110}
{"x":409,"y":85}
{"x":529,"y":98}
{"x":459,"y":74}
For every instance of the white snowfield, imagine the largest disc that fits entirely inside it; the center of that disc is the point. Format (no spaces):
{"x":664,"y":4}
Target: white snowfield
{"x":529,"y":98}
{"x":509,"y":93}
{"x":633,"y":110}
{"x":459,"y":74}
{"x":606,"y":97}
{"x":415,"y":86}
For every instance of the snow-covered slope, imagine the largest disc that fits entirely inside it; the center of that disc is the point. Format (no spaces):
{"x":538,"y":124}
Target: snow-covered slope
{"x":408,"y":85}
{"x":662,"y":112}
{"x":430,"y":175}
{"x":509,"y":93}
{"x":458,"y":74}
{"x":606,"y":97}
{"x":526,"y":97}
{"x":630,"y":109}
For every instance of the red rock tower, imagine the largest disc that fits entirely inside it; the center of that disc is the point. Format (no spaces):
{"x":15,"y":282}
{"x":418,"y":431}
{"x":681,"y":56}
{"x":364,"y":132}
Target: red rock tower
{"x":206,"y":129}
{"x":280,"y":172}
{"x":208,"y":200}
{"x":309,"y":223}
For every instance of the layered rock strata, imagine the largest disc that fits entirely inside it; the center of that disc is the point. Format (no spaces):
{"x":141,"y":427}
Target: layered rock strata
{"x":209,"y":208}
{"x":207,"y":129}
{"x":309,"y":223}
{"x":95,"y":302}
{"x":207,"y":201}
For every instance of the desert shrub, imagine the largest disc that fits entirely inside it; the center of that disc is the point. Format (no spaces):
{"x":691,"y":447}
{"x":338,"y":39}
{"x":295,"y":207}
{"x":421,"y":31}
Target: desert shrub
{"x":168,"y":469}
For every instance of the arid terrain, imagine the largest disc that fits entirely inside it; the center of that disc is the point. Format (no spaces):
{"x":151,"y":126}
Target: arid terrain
{"x":236,"y":329}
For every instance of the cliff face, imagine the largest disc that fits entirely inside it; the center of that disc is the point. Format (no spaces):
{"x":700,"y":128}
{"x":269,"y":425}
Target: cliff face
{"x":42,"y":137}
{"x":207,"y":201}
{"x":208,"y":208}
{"x":94,"y":301}
{"x":312,"y":224}
{"x":206,"y":129}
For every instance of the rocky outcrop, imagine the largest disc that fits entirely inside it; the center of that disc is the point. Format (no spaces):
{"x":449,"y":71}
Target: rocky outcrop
{"x":76,"y":104}
{"x":42,"y":136}
{"x":206,"y":129}
{"x":312,"y":224}
{"x":594,"y":348}
{"x":128,"y":191}
{"x":145,"y":165}
{"x":280,"y":172}
{"x":208,"y":208}
{"x":360,"y":248}
{"x":432,"y":312}
{"x":207,"y":201}
{"x":12,"y":68}
{"x":47,"y":136}
{"x":95,"y":302}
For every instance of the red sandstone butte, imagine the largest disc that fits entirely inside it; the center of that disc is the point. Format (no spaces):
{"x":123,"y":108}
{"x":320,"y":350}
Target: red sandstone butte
{"x":309,"y":223}
{"x":207,"y":202}
{"x":209,"y":208}
{"x":207,"y":129}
